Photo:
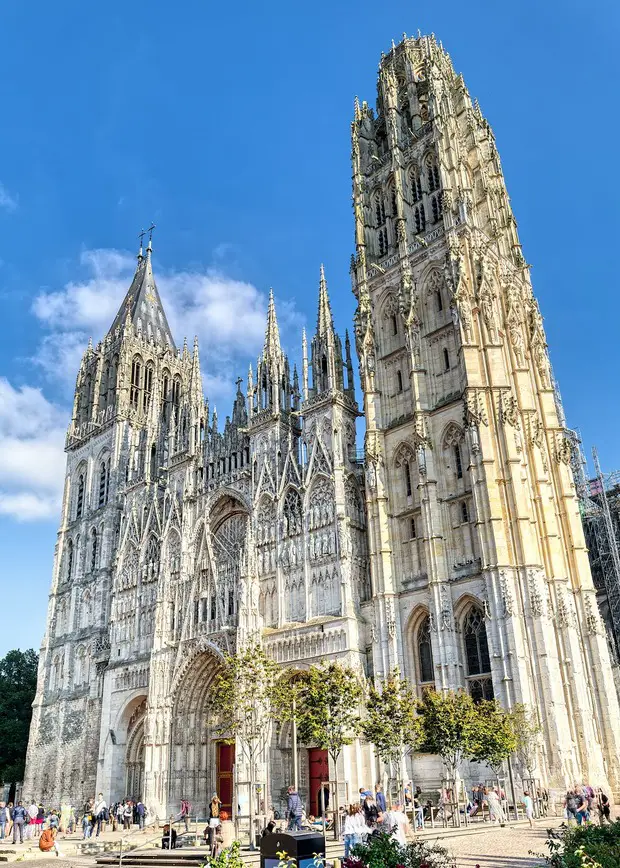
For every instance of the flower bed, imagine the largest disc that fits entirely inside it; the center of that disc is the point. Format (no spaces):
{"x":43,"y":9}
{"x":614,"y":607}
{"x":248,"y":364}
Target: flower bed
{"x":382,"y":851}
{"x":584,"y":847}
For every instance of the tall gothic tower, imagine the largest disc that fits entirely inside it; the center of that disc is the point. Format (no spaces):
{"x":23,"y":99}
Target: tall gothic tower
{"x":479,"y":569}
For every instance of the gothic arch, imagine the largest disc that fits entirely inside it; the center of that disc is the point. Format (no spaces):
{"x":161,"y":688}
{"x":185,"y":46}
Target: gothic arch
{"x":214,"y":508}
{"x":452,"y":434}
{"x":404,"y":452}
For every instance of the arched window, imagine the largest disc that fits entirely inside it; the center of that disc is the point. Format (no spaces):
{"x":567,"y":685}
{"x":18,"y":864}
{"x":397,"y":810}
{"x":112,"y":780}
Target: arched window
{"x":458,"y":463}
{"x":407,"y":475}
{"x":399,"y":381}
{"x":383,"y":241}
{"x":424,"y":649}
{"x":415,"y":184}
{"x":438,"y":301}
{"x":394,"y":321}
{"x":93,"y":550}
{"x":104,"y":481}
{"x":379,"y":210}
{"x":165,"y":397}
{"x":148,"y":387}
{"x":446,"y":359}
{"x":432,"y":170}
{"x":69,"y":559}
{"x":79,"y":507}
{"x":134,"y":391}
{"x":78,"y":669}
{"x":436,"y":208}
{"x":477,"y":660}
{"x":176,"y":392}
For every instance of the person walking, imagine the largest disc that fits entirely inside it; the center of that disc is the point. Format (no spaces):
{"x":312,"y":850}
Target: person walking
{"x":371,"y":812}
{"x":604,"y":807}
{"x":294,"y":810}
{"x":120,"y":811}
{"x":380,"y":799}
{"x":87,"y":819}
{"x":186,"y":810}
{"x":529,"y":808}
{"x":141,"y":812}
{"x":496,"y":812}
{"x":399,"y":826}
{"x":418,"y":810}
{"x":3,"y":820}
{"x":18,"y":816}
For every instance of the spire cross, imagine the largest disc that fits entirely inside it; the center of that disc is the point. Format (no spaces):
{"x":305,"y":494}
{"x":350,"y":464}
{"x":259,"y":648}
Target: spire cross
{"x":238,"y":382}
{"x":141,"y":235}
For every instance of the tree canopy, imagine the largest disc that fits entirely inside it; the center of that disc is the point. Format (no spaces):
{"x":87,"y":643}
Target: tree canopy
{"x":18,"y":684}
{"x":328,"y":716}
{"x":391,"y":722}
{"x":449,"y":727}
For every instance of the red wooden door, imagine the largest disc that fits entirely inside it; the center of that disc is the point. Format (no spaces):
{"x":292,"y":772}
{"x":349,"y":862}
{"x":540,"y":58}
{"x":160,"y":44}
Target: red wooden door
{"x":225,"y":763}
{"x":319,"y":772}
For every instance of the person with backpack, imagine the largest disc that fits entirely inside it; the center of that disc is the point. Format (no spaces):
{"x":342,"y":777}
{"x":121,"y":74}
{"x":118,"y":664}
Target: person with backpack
{"x":186,"y":810}
{"x":371,"y":812}
{"x":571,"y":806}
{"x":141,"y":812}
{"x":294,"y":810}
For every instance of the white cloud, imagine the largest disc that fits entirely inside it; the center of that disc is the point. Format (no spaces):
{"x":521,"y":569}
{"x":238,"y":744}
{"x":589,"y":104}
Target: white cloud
{"x":227,"y":315}
{"x":8,"y":202}
{"x":32,"y":433}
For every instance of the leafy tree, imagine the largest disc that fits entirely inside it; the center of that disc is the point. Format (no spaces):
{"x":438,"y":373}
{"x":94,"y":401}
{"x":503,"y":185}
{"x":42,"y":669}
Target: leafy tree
{"x":328,"y":712}
{"x":18,"y":684}
{"x":528,"y":733}
{"x":449,"y":727}
{"x":494,"y":736}
{"x":391,"y":722}
{"x":245,"y":698}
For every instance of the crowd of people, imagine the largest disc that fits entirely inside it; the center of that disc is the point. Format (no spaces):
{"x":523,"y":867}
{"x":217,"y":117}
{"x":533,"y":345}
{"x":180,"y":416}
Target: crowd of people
{"x":582,"y":803}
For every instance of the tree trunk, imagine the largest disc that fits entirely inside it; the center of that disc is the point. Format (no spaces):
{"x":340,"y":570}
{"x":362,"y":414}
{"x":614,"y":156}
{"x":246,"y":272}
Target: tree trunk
{"x":252,"y":796}
{"x":336,"y":803}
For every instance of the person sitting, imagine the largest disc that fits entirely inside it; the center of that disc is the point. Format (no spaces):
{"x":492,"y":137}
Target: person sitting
{"x":269,"y":829}
{"x":169,"y":838}
{"x":47,"y":841}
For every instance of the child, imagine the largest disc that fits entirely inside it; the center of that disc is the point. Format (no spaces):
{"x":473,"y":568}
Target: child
{"x":529,"y":807}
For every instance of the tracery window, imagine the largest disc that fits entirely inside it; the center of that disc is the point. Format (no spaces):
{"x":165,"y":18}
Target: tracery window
{"x":458,"y":462}
{"x":478,"y":663}
{"x":407,"y":478}
{"x":436,"y":208}
{"x":176,"y":392}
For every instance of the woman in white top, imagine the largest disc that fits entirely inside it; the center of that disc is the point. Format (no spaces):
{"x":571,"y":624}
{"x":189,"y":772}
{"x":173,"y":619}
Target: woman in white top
{"x":354,"y":825}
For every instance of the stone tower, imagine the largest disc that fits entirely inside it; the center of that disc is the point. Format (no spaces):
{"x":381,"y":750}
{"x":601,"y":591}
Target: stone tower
{"x":479,"y":569}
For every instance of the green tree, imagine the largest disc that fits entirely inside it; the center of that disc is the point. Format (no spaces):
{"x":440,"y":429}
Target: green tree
{"x":18,"y":684}
{"x":528,"y":733}
{"x":244,"y":699}
{"x":391,"y":721}
{"x":328,"y":712}
{"x":449,"y":727}
{"x":494,"y":736}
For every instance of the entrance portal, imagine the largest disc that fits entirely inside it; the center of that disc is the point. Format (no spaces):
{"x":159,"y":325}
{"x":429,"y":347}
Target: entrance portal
{"x":225,"y":764}
{"x":318,"y":763}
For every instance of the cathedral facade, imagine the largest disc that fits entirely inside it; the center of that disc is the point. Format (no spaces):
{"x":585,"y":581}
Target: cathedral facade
{"x":450,"y":546}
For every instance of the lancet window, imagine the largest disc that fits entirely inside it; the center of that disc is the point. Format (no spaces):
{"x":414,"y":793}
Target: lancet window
{"x":477,"y":660}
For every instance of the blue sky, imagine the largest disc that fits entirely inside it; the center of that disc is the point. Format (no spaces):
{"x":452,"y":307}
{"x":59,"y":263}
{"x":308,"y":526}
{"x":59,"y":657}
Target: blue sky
{"x":228,"y":125}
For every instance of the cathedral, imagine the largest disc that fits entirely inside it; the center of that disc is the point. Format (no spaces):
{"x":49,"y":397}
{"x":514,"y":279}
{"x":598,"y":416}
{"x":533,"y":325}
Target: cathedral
{"x":450,"y":545}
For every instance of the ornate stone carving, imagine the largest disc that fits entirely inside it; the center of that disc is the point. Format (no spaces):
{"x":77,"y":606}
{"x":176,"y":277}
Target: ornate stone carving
{"x":537,"y":602}
{"x":507,"y":598}
{"x":593,"y":623}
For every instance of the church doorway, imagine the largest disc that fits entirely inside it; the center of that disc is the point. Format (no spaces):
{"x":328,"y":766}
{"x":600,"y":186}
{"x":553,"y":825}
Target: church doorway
{"x":194,"y":749}
{"x":225,"y":765}
{"x":134,"y":753}
{"x":318,"y":764}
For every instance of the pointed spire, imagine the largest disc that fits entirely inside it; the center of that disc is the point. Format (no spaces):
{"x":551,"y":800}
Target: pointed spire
{"x":304,"y":365}
{"x":325,"y":321}
{"x":272,"y":333}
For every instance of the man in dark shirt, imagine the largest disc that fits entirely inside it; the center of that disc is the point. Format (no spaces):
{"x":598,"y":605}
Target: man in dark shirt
{"x":19,"y":818}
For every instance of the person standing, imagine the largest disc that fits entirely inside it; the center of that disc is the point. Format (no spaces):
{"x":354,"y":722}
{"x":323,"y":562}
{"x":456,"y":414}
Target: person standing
{"x":141,"y":812}
{"x":529,"y":808}
{"x":399,"y":825}
{"x":87,"y":819}
{"x":371,"y":813}
{"x":18,"y":816}
{"x":380,"y":799}
{"x":128,"y":815}
{"x":603,"y":806}
{"x":353,"y":828}
{"x":3,"y":820}
{"x":418,"y":810}
{"x":294,"y":810}
{"x":100,"y":811}
{"x":120,"y":811}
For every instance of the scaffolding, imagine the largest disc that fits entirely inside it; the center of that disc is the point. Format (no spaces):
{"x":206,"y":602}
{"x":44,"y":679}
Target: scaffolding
{"x":599,"y":504}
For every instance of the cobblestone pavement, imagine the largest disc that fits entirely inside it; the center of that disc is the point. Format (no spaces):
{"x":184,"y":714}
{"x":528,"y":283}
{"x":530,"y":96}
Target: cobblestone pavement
{"x":501,"y":848}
